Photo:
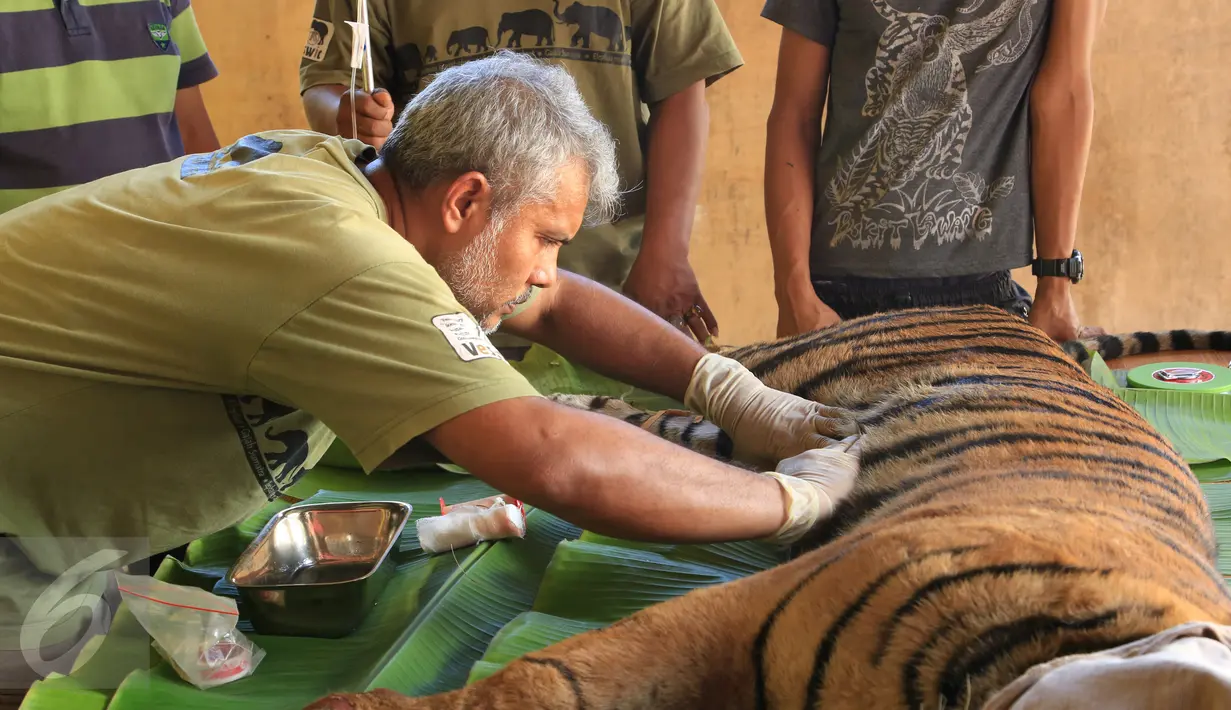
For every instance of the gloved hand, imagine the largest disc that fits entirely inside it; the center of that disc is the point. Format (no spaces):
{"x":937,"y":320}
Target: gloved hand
{"x":814,"y":482}
{"x":765,"y":425}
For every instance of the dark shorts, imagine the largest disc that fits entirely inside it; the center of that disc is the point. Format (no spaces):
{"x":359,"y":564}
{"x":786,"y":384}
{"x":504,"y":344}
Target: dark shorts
{"x":852,"y":297}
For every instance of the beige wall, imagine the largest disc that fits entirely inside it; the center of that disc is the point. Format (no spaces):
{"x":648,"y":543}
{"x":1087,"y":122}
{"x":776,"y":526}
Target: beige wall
{"x":1155,"y":215}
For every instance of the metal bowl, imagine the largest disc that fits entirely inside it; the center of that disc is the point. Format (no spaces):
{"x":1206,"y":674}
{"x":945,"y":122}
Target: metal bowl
{"x":316,"y":569}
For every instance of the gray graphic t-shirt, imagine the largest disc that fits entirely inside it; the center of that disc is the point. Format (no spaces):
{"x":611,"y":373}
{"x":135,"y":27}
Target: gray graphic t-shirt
{"x":924,"y":167}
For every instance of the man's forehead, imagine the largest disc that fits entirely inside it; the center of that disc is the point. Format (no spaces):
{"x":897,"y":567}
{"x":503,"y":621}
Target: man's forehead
{"x":574,"y":185}
{"x":566,"y":212}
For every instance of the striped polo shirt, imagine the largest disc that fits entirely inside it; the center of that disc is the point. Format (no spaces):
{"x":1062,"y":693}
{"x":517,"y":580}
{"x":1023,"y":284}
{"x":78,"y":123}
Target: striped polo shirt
{"x":87,"y":89}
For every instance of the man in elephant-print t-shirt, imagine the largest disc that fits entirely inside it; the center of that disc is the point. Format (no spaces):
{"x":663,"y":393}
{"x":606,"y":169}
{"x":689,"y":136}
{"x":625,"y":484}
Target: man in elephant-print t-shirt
{"x":630,"y":58}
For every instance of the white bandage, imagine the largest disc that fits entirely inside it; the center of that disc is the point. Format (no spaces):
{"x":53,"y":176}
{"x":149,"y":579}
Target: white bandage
{"x":467,"y":524}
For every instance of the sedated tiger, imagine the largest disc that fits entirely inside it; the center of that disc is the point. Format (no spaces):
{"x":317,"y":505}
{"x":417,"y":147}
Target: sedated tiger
{"x":1009,"y":511}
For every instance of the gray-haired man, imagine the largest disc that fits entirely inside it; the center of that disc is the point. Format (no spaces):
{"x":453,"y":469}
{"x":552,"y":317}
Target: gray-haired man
{"x":203,"y":329}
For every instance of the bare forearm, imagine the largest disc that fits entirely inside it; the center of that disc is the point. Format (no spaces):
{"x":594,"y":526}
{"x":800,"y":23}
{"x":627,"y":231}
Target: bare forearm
{"x":793,"y":133}
{"x":320,"y":103}
{"x":196,"y":128}
{"x":790,"y":162}
{"x":606,"y":476}
{"x":590,"y":325}
{"x":675,"y":164}
{"x":1062,"y":120}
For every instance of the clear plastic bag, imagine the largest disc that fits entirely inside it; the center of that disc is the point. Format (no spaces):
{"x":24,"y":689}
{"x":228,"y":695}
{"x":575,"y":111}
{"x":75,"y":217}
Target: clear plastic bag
{"x":193,"y":629}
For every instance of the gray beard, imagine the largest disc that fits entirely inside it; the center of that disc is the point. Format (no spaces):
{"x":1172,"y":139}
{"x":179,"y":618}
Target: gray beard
{"x":471,"y":275}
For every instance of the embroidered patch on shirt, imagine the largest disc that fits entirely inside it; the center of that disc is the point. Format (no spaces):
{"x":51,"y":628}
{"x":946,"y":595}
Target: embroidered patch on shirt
{"x":318,"y":40}
{"x":160,"y":34}
{"x":465,"y":337}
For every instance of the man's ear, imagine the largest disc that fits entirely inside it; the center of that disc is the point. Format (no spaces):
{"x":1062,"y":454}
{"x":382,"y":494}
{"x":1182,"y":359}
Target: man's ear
{"x":467,"y":203}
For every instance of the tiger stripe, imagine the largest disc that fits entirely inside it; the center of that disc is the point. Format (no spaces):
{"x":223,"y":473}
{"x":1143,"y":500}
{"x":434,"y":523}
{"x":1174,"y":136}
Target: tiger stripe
{"x":566,"y":673}
{"x":826,"y":648}
{"x":1110,"y":347}
{"x":940,"y":584}
{"x":996,"y":642}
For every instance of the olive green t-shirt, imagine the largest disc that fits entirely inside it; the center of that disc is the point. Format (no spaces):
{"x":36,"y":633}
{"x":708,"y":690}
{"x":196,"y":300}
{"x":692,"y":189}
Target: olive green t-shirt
{"x":623,"y":54}
{"x":179,"y":342}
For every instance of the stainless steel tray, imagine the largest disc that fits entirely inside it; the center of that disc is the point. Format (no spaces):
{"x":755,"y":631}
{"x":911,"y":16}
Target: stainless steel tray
{"x":316,"y":569}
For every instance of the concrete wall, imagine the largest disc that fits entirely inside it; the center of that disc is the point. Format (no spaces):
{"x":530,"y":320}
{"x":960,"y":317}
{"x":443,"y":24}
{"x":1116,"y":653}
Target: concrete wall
{"x":1155,"y":215}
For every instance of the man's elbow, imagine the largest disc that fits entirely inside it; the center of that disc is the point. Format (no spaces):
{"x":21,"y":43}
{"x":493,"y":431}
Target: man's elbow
{"x":792,"y":130}
{"x":1064,"y":97}
{"x":543,"y":470}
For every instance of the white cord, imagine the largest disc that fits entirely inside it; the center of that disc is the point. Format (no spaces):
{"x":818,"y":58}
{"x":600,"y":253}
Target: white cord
{"x":354,"y":124}
{"x":360,"y":57}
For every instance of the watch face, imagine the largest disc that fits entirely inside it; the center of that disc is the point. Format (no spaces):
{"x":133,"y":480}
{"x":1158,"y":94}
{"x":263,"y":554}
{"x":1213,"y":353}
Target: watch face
{"x":1079,"y":267}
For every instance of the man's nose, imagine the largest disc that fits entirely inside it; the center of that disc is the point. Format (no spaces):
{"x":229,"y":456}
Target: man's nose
{"x":544,"y":276}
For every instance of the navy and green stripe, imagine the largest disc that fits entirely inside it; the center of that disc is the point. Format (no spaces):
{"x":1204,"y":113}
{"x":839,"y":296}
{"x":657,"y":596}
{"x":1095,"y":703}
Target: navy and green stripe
{"x":87,"y":89}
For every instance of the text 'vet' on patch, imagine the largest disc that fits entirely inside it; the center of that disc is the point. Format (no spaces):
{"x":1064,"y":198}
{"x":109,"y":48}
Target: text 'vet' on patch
{"x":465,"y":337}
{"x":318,"y":40}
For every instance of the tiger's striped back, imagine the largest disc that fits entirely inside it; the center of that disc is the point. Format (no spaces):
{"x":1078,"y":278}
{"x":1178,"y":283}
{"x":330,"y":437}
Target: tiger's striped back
{"x":1009,"y":510}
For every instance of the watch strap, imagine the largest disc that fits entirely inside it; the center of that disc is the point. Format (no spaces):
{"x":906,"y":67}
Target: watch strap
{"x":1051,"y":267}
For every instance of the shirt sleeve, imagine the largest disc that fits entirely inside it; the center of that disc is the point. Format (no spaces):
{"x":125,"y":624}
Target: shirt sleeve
{"x":382,"y":358}
{"x":815,"y":19}
{"x":326,"y":54}
{"x":196,"y":67}
{"x":677,"y":43}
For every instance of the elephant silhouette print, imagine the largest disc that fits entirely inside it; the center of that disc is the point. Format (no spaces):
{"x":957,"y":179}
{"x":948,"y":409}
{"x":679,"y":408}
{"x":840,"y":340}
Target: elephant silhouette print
{"x":592,"y":20}
{"x":917,"y":89}
{"x":269,"y":410}
{"x":291,"y":459}
{"x":463,"y":40}
{"x":284,"y":456}
{"x":596,"y":34}
{"x":532,"y":23}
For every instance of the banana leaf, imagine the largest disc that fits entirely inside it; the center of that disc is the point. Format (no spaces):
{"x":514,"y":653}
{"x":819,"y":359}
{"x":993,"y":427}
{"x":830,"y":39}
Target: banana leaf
{"x":550,"y":373}
{"x":597,"y":580}
{"x":1213,"y":472}
{"x":527,"y":633}
{"x":1101,"y":373}
{"x":741,"y":558}
{"x":451,"y":633}
{"x":62,"y":692}
{"x":1218,"y":495}
{"x":1198,"y":424}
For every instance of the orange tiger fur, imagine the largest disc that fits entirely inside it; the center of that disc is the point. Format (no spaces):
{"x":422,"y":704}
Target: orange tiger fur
{"x":1009,"y":511}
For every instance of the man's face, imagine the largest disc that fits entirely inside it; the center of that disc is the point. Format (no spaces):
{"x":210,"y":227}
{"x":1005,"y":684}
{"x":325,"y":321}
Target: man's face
{"x":492,"y":273}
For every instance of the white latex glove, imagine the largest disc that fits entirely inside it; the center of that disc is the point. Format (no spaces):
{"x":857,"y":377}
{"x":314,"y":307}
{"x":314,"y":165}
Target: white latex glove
{"x":813,"y":483}
{"x":765,"y":425}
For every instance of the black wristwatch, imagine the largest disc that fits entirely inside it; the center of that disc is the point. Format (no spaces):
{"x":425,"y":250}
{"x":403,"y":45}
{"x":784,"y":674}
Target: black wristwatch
{"x":1073,"y":267}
